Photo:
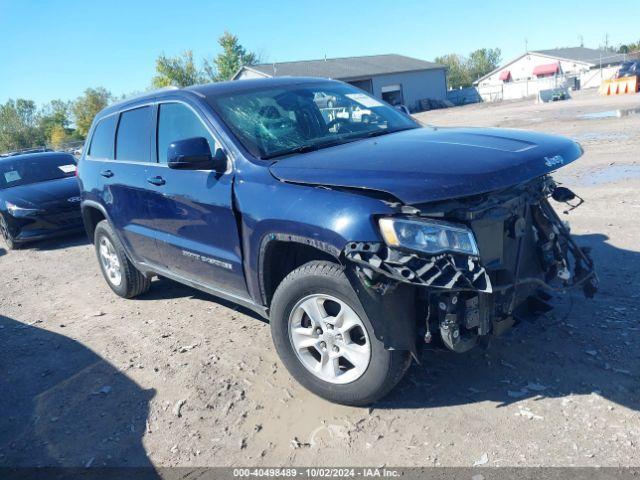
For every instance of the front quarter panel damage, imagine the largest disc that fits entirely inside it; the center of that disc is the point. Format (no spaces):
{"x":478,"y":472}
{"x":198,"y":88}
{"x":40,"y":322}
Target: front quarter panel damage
{"x":444,"y":270}
{"x":526,"y":252}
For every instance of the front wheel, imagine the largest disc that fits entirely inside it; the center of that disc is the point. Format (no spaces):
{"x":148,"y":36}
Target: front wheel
{"x":6,"y":234}
{"x":326,"y":341}
{"x":121,"y":275}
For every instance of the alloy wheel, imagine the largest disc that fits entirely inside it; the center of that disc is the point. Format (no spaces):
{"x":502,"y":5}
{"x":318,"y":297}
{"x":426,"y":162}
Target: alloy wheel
{"x":110,"y":261}
{"x":329,"y":339}
{"x":4,"y":231}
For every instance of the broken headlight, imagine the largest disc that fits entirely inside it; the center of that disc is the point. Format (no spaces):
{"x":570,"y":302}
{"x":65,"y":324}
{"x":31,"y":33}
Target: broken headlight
{"x":430,"y":236}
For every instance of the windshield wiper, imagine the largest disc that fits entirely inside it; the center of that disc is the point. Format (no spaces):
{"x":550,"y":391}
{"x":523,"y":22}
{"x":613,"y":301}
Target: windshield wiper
{"x":310,"y":147}
{"x":305,"y":148}
{"x":300,"y":149}
{"x":377,"y":133}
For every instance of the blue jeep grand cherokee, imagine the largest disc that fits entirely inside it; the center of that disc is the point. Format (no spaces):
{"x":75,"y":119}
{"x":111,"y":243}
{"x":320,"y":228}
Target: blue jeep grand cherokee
{"x":355,"y":230}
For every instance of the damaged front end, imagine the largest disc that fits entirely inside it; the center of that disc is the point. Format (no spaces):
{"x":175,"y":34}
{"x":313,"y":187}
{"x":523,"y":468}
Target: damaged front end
{"x":479,"y":263}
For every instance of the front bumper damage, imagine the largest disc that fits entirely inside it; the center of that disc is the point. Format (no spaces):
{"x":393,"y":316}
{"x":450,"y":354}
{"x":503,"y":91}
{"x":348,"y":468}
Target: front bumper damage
{"x":446,"y":270}
{"x":526,"y":254}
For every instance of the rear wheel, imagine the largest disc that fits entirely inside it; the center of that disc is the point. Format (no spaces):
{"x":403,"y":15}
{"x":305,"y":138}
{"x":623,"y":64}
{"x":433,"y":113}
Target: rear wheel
{"x":6,"y":235}
{"x":326,"y":341}
{"x":123,"y":278}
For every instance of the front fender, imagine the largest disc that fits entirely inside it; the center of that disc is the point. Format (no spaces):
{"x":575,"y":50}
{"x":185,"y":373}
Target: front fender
{"x":323,"y":218}
{"x":327,"y":220}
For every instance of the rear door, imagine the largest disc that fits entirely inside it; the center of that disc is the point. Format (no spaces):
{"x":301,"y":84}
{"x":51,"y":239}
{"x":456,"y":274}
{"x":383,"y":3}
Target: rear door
{"x":123,"y":178}
{"x":192,"y":209}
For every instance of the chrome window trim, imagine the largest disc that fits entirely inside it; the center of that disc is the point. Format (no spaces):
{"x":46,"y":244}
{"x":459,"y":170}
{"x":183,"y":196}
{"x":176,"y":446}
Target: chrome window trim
{"x":117,"y":112}
{"x":157,"y":103}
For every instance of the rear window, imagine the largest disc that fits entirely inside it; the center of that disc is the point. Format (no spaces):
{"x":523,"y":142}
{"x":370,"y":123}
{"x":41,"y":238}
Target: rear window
{"x":102,"y":140}
{"x":23,"y":170}
{"x":133,"y":141}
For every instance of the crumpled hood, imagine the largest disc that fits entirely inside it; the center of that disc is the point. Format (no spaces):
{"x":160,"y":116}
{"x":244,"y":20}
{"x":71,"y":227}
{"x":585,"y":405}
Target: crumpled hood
{"x":432,"y":164}
{"x":52,"y":194}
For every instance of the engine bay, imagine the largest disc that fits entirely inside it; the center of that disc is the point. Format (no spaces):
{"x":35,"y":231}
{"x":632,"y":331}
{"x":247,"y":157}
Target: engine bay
{"x":526,"y":254}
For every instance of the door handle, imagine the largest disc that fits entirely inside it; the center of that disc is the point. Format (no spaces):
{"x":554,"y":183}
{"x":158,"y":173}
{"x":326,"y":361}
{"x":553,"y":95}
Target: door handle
{"x":157,"y":181}
{"x":106,"y":173}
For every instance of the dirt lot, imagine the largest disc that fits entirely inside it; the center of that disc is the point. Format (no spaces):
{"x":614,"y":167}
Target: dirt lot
{"x":180,"y":378}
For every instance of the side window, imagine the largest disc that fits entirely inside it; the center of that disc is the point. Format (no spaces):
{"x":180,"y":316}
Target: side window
{"x":178,"y":122}
{"x":102,"y":140}
{"x":133,"y":140}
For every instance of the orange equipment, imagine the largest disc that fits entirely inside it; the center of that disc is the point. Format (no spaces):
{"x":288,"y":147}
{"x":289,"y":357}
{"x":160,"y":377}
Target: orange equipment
{"x":620,"y":86}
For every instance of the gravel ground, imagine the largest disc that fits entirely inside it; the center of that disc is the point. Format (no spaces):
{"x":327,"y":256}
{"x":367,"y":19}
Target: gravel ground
{"x":177,"y":377}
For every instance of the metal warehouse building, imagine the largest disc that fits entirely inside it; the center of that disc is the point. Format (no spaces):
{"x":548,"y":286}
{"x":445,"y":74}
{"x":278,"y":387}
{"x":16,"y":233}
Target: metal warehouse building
{"x":394,"y":78}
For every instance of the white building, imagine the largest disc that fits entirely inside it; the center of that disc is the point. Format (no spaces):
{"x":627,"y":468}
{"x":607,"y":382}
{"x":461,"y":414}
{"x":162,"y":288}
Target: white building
{"x":531,"y":72}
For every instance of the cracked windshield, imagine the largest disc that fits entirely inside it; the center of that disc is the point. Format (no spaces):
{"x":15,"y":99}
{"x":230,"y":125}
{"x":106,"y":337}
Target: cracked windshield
{"x":276,"y":122}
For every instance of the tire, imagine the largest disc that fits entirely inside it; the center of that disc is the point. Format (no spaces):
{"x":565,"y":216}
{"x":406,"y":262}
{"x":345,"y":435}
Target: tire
{"x":6,"y":235}
{"x":123,"y":278}
{"x":325,"y":283}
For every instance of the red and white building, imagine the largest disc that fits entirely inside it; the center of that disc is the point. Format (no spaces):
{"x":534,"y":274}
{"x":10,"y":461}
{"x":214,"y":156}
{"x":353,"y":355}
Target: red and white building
{"x":531,"y":72}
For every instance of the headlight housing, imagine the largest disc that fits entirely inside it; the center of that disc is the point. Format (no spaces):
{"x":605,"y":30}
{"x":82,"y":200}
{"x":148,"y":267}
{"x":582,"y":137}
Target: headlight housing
{"x":430,"y":236}
{"x":17,"y":211}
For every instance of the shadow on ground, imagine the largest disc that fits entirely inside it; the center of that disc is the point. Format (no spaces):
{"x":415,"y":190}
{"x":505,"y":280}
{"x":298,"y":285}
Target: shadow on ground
{"x":165,"y":289}
{"x":582,"y":347}
{"x":59,"y":243}
{"x":64,"y":406}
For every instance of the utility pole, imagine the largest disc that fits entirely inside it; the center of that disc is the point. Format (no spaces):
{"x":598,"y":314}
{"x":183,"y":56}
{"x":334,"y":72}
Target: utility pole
{"x":601,"y":65}
{"x":526,"y":45}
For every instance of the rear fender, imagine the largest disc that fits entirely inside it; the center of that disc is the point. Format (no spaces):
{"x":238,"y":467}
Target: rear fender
{"x":85,"y":205}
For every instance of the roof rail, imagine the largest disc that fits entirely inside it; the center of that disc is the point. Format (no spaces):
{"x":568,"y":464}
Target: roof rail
{"x":148,"y":93}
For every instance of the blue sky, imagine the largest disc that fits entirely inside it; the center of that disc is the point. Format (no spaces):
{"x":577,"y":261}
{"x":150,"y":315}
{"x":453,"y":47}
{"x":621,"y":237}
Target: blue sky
{"x":57,"y":48}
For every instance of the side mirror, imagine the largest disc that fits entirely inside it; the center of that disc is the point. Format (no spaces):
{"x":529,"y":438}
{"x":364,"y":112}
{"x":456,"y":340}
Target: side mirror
{"x":403,"y":109}
{"x":194,"y":154}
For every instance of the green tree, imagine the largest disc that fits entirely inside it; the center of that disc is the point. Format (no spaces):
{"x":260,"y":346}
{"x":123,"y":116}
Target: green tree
{"x":19,"y":125}
{"x":53,"y":115}
{"x":57,"y":136}
{"x":182,"y":70}
{"x":457,"y":73}
{"x":629,"y":47}
{"x":179,"y":71}
{"x":482,"y":61}
{"x":85,"y":107}
{"x":462,"y":72}
{"x":233,"y":57}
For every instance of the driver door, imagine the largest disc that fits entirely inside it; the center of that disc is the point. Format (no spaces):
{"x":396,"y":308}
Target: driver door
{"x":198,"y":234}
